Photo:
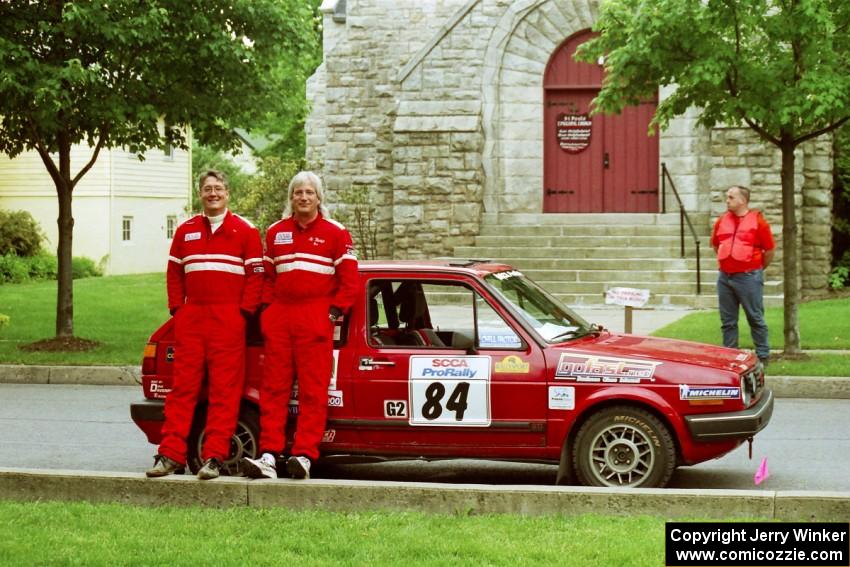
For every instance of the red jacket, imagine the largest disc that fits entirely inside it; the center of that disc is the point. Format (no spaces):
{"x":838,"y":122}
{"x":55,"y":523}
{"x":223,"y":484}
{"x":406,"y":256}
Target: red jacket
{"x":315,"y":262}
{"x":741,"y":241}
{"x":221,"y":267}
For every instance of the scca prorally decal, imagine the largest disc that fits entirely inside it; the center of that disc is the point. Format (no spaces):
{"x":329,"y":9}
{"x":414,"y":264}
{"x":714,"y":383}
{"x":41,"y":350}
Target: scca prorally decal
{"x":590,"y":368}
{"x":449,"y":368}
{"x":708,"y":393}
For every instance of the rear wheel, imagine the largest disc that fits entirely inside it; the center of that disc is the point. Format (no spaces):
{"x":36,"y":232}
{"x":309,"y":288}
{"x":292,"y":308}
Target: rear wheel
{"x":624,"y":446}
{"x":244,"y":442}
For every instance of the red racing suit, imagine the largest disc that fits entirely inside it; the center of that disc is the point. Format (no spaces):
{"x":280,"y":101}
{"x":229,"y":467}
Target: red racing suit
{"x":212,"y":279}
{"x":308,"y":270}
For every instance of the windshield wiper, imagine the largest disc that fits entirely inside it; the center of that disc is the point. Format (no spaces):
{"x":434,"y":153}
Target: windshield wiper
{"x":573,"y":333}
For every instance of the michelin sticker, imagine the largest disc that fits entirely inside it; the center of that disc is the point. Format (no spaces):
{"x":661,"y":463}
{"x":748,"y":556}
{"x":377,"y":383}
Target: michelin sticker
{"x":607,"y":369}
{"x":562,"y":397}
{"x":449,"y":391}
{"x":708,"y":393}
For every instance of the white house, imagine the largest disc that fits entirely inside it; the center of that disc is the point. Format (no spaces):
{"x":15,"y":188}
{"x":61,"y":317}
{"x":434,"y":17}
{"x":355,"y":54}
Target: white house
{"x":125,"y":210}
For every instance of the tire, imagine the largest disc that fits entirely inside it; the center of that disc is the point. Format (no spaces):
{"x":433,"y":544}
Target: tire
{"x":624,"y":446}
{"x":244,"y":443}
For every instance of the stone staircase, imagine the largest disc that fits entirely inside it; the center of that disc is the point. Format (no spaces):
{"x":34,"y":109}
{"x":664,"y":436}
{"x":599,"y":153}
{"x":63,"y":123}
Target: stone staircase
{"x":578,"y":256}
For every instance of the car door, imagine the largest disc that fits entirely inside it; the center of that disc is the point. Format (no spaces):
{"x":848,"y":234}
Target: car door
{"x":442,"y":372}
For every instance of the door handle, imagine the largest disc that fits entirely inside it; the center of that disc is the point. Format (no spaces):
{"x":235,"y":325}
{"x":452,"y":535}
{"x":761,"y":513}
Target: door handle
{"x":367,"y":363}
{"x":605,"y":160}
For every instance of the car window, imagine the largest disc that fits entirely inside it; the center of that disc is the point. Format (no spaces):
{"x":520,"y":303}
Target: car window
{"x":434,"y":314}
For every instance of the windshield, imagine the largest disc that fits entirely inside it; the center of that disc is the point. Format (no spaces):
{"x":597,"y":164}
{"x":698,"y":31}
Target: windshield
{"x":552,"y":320}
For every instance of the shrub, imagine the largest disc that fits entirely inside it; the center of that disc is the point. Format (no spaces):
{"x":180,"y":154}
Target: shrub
{"x":4,"y":320}
{"x":13,"y":269}
{"x":840,"y":275}
{"x":82,"y":267}
{"x":43,"y":266}
{"x":19,"y":234}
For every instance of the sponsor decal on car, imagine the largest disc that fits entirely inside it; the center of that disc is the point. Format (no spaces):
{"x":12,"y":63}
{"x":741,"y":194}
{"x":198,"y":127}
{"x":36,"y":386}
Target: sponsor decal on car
{"x":449,"y":391}
{"x":507,"y":275}
{"x":158,"y":389}
{"x":512,"y":365}
{"x":687,"y":392}
{"x":328,"y":436}
{"x":192,"y":236}
{"x":335,"y":399}
{"x":608,"y":369}
{"x":395,"y":409}
{"x":562,"y":397}
{"x":169,"y":354}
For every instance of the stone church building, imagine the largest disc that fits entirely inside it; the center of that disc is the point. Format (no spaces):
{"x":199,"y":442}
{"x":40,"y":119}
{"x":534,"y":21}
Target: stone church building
{"x":466,"y":123}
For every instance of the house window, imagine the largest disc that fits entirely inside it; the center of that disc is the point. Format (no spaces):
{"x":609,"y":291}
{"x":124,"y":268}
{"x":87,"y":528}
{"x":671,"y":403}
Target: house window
{"x":127,"y":229}
{"x":170,"y":226}
{"x":168,"y":152}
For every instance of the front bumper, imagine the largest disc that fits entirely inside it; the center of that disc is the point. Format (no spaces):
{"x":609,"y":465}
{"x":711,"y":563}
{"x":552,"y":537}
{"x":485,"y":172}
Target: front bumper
{"x":732,"y":425}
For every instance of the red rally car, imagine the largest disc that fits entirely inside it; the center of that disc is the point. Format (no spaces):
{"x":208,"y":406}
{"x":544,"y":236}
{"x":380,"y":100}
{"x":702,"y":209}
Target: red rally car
{"x":461,"y":358}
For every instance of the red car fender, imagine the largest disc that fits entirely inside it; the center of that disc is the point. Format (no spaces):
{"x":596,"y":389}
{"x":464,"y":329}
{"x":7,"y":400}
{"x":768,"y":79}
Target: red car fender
{"x":640,"y":396}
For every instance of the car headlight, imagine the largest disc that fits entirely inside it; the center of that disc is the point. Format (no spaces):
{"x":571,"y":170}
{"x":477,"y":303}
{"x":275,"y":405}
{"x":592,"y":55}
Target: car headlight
{"x":752,"y":382}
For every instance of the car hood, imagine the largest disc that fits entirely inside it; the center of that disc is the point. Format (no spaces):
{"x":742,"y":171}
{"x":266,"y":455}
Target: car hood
{"x":665,"y":350}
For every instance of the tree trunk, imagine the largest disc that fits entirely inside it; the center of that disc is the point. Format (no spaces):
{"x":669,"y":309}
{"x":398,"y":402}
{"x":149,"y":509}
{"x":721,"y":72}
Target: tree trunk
{"x":790,"y":265}
{"x":64,"y":277}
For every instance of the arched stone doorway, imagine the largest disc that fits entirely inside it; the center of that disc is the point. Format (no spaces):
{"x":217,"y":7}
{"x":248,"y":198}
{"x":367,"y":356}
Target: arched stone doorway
{"x":593,"y":164}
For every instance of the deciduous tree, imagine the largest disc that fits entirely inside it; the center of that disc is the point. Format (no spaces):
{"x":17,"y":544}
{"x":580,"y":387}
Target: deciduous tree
{"x":111,"y":73}
{"x":781,"y":67}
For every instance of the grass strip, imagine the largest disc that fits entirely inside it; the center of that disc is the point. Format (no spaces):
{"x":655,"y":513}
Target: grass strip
{"x":823,"y":325}
{"x":121,"y":312}
{"x":54,"y":533}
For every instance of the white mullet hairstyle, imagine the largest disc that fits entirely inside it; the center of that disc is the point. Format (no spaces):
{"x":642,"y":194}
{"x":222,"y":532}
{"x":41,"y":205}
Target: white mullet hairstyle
{"x":306,"y":178}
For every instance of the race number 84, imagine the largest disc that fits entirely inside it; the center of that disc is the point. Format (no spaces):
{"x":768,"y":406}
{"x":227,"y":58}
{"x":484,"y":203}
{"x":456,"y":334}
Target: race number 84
{"x":450,"y":402}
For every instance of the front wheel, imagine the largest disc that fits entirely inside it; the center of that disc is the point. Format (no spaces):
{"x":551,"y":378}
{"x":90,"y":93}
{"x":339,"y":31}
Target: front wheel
{"x":244,"y":442}
{"x":624,"y":446}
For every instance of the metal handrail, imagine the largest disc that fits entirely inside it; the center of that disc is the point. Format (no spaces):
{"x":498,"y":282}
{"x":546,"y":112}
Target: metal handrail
{"x":683,"y":216}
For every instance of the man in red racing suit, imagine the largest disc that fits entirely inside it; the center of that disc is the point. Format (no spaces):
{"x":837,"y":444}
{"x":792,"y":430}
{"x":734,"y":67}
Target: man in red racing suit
{"x":214,"y":278}
{"x":311,"y":280}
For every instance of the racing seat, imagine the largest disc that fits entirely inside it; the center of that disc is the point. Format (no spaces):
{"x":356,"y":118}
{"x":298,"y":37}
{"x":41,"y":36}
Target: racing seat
{"x":413,"y":312}
{"x":377,"y":335}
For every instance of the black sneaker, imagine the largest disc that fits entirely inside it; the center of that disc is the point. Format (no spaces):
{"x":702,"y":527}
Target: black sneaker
{"x":210,"y":470}
{"x":764,"y":362}
{"x":298,"y":467}
{"x":163,"y":466}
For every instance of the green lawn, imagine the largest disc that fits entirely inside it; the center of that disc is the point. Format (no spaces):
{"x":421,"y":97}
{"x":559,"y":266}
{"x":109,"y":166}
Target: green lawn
{"x":823,"y":325}
{"x":119,"y":311}
{"x":50,"y":533}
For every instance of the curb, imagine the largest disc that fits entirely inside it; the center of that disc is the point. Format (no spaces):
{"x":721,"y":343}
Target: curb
{"x":834,"y":388}
{"x":463,"y":499}
{"x":84,"y":375}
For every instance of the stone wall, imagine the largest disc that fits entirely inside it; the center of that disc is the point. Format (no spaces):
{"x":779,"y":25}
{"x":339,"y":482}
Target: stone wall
{"x":433,"y":109}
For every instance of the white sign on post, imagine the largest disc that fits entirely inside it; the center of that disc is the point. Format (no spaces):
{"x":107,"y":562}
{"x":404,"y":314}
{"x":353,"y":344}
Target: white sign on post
{"x":627,"y":296}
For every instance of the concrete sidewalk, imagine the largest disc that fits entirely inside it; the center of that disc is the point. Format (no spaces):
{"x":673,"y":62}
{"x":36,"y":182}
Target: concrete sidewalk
{"x":437,"y":498}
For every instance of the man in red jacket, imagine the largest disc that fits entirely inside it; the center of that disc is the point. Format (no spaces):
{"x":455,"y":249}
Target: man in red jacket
{"x":215,"y":279}
{"x":311,"y":280}
{"x":745,"y":247}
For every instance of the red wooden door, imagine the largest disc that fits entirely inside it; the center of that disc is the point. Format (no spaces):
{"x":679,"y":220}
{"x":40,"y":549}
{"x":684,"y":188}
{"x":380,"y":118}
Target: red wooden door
{"x":593,"y":164}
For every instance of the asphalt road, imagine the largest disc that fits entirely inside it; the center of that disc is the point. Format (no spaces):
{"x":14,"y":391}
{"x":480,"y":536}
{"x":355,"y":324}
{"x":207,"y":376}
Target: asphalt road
{"x":89,"y":428}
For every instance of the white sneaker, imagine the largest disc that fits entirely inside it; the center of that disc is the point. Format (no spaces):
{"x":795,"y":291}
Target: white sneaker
{"x":298,"y":467}
{"x":264,"y":467}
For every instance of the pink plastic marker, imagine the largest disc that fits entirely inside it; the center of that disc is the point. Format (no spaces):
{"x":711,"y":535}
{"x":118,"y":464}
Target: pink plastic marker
{"x":762,"y":473}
